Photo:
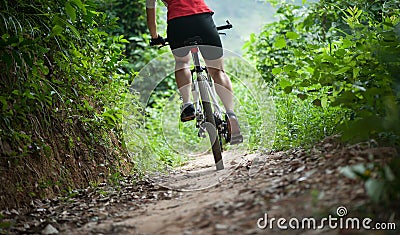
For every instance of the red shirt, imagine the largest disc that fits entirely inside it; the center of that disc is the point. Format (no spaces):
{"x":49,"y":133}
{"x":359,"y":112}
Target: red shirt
{"x":179,"y":8}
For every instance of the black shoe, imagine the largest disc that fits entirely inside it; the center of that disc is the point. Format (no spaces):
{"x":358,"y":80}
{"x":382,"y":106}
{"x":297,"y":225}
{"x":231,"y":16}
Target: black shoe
{"x":188,"y":113}
{"x":234,"y":135}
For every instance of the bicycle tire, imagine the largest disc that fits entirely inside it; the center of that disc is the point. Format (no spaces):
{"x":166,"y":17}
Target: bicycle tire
{"x":211,"y":127}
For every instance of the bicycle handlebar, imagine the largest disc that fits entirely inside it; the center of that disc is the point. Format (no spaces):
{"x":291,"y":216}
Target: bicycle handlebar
{"x":227,"y":26}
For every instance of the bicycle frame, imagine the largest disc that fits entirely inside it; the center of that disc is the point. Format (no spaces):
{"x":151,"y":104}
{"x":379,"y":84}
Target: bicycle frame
{"x":198,"y":69}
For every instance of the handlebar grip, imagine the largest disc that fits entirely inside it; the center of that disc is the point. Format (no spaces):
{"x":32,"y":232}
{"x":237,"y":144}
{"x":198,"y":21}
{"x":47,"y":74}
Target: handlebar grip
{"x":157,"y":41}
{"x":228,"y":26}
{"x":162,"y":45}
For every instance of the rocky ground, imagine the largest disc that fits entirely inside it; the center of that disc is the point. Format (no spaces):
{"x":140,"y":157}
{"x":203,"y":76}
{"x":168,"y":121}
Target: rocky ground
{"x":195,"y":199}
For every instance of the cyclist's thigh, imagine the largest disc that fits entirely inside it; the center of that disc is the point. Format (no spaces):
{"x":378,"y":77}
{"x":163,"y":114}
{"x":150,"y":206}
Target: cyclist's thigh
{"x":178,"y":31}
{"x":215,"y":64}
{"x":182,"y":62}
{"x":211,"y":47}
{"x":211,"y":52}
{"x":181,"y":52}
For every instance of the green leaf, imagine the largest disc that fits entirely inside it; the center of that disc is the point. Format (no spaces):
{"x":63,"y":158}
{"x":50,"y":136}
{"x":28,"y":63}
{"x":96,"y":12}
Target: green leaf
{"x":342,"y":70}
{"x":346,"y":43}
{"x":324,"y":102}
{"x":356,"y":72}
{"x":348,"y":172}
{"x":62,"y":22}
{"x":28,"y":59}
{"x":276,"y":71}
{"x":80,"y":5}
{"x":17,"y":57}
{"x":362,"y":128}
{"x":57,"y":30}
{"x":389,"y":175}
{"x":288,"y":89}
{"x":292,"y":35}
{"x":45,"y":70}
{"x":284,"y":83}
{"x":4,"y":103}
{"x":74,"y":30}
{"x":289,"y":68}
{"x":5,"y":37}
{"x":71,"y":12}
{"x":110,"y":116}
{"x":375,"y":189}
{"x":280,"y":42}
{"x":59,"y":21}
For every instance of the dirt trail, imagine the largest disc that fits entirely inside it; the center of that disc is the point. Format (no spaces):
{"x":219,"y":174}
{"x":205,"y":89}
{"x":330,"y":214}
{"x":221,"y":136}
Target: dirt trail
{"x":286,"y":184}
{"x":197,"y":199}
{"x":201,"y":189}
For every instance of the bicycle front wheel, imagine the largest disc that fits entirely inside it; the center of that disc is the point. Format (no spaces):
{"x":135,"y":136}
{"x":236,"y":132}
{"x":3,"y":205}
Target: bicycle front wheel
{"x":210,"y":123}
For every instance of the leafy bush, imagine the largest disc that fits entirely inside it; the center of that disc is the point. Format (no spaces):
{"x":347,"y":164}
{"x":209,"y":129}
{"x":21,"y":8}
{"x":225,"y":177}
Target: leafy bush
{"x":331,"y":54}
{"x":382,"y":182}
{"x":63,"y":86}
{"x":334,"y":68}
{"x":128,"y":18}
{"x":57,"y":67}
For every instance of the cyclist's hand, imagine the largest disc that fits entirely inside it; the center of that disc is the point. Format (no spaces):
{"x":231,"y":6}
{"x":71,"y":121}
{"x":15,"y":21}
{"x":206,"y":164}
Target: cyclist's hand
{"x":157,"y":41}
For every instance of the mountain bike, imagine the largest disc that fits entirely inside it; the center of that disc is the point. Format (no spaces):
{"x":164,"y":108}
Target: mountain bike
{"x":209,"y":115}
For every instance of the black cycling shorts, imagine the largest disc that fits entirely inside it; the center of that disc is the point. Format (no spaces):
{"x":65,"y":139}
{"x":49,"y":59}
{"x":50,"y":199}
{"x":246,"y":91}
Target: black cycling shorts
{"x":180,"y":30}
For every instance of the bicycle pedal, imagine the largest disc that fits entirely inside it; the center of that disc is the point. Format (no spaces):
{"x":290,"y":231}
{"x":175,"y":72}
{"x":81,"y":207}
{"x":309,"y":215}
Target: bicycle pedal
{"x":236,"y":139}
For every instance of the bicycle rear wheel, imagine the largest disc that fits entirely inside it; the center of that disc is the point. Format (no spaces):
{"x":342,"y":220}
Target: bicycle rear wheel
{"x":210,"y":123}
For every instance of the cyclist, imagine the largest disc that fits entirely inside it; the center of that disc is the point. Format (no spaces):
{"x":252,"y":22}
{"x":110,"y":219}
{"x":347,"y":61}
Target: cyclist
{"x":187,"y":19}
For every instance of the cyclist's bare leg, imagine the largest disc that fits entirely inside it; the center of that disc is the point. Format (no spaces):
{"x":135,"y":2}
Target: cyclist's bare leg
{"x":224,"y":90}
{"x":183,"y":76}
{"x":223,"y":82}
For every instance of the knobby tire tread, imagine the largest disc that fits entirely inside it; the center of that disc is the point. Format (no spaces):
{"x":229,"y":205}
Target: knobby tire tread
{"x":209,"y":115}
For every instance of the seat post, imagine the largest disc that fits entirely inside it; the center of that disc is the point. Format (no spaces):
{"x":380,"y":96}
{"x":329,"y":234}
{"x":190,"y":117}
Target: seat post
{"x":196,"y":59}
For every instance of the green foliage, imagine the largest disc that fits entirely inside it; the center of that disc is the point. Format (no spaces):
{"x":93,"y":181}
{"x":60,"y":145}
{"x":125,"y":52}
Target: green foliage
{"x":57,"y":67}
{"x":173,"y":142}
{"x":254,"y":105}
{"x":128,"y":18}
{"x":334,"y":67}
{"x":332,"y":54}
{"x":64,"y":82}
{"x":301,"y":123}
{"x":382,"y":183}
